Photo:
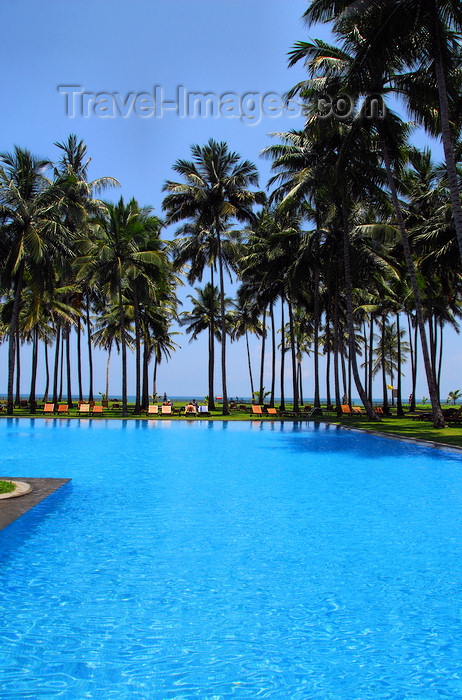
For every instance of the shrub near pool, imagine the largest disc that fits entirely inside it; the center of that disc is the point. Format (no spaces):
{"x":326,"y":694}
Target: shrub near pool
{"x":6,"y":486}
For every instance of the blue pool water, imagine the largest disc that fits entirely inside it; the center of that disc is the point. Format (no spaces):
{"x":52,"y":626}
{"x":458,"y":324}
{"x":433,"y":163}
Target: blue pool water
{"x":230,"y":560}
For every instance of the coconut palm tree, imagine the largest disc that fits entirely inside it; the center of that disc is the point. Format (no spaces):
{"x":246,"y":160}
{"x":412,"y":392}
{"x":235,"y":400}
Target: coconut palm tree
{"x":33,"y":235}
{"x":214,"y":190}
{"x":113,"y":259}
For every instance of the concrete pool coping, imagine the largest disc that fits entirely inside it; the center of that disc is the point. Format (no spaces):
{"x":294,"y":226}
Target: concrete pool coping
{"x":13,"y":508}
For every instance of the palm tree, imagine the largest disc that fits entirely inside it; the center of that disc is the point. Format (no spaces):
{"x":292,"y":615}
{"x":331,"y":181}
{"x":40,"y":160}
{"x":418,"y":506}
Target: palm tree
{"x":201,"y":317}
{"x":215,"y":189}
{"x":113,"y":259}
{"x":347,"y":71}
{"x":34,"y":237}
{"x":454,"y":396}
{"x":245,"y":320}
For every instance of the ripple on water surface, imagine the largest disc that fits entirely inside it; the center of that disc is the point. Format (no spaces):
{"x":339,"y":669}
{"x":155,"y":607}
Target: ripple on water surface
{"x":230,"y":560}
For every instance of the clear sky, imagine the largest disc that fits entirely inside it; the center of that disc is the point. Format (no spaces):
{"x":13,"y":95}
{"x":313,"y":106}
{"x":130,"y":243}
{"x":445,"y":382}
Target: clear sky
{"x":119,"y":57}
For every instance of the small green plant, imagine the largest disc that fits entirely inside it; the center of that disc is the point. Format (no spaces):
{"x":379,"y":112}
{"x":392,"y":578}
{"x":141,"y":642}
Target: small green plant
{"x":7,"y":486}
{"x":103,"y":396}
{"x":424,"y":399}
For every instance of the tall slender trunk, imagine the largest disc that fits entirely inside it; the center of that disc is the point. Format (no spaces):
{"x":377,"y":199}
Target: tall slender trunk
{"x":144,"y":386}
{"x":90,"y":354}
{"x":154,"y":374}
{"x":33,"y":381}
{"x":283,"y":354}
{"x":79,"y":357}
{"x":61,"y":370}
{"x":136,"y":315}
{"x":107,"y":371}
{"x":342,"y":366}
{"x":336,"y":352}
{"x":248,"y":360}
{"x":440,"y":362}
{"x":68,"y":365}
{"x":212,"y":346}
{"x":371,"y":350}
{"x":56,"y":365}
{"x":17,"y":400}
{"x":273,"y":356}
{"x":262,"y":358}
{"x":384,"y":373}
{"x":438,"y":419}
{"x":317,"y":402}
{"x":399,"y":403}
{"x":225,"y":411}
{"x":366,"y":382}
{"x":12,"y":340}
{"x":47,"y":374}
{"x":292,"y":352}
{"x":351,"y":331}
{"x":349,"y":380}
{"x":124,"y":351}
{"x":328,"y":398}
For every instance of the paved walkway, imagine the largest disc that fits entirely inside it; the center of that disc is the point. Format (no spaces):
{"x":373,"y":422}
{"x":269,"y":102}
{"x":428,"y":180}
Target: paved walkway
{"x":13,"y":508}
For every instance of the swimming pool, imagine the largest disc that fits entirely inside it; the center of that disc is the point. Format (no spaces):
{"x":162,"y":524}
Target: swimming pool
{"x":216,"y":560}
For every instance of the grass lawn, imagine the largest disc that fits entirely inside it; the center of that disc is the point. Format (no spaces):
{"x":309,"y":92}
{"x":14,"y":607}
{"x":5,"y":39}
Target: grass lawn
{"x":406,"y":427}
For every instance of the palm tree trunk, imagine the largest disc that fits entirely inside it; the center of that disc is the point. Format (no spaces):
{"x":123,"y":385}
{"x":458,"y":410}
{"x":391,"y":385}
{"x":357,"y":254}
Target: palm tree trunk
{"x":154,"y":374}
{"x":90,"y":355}
{"x":399,"y":404}
{"x":438,"y":419}
{"x":342,"y":365}
{"x":351,"y":331}
{"x":225,"y":411}
{"x":273,"y":356}
{"x":136,"y":315}
{"x":249,"y":363}
{"x":336,"y":352}
{"x":124,"y":351}
{"x":56,"y":367}
{"x":283,"y":354}
{"x":294,"y":361}
{"x":17,"y":400}
{"x":47,"y":374}
{"x":262,"y":358}
{"x":212,"y":346}
{"x":61,"y":367}
{"x":371,"y":348}
{"x":384,"y":369}
{"x":107,"y":371}
{"x":328,"y":398}
{"x":316,"y":340}
{"x":79,"y":357}
{"x":68,"y":364}
{"x":12,"y":341}
{"x":365,"y":355}
{"x":440,"y":361}
{"x":33,"y":381}
{"x":144,"y":387}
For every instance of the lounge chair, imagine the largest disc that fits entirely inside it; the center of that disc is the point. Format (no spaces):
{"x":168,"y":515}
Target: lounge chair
{"x":272,"y":411}
{"x":98,"y":409}
{"x":63,"y":408}
{"x":153,"y":409}
{"x":166,"y":410}
{"x":379,"y":410}
{"x":256,"y":410}
{"x":190,"y":410}
{"x":357,"y":410}
{"x":203,"y":410}
{"x":49,"y":408}
{"x":84,"y":408}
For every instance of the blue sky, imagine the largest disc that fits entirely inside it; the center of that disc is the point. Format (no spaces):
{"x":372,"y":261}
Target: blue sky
{"x":122,"y":49}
